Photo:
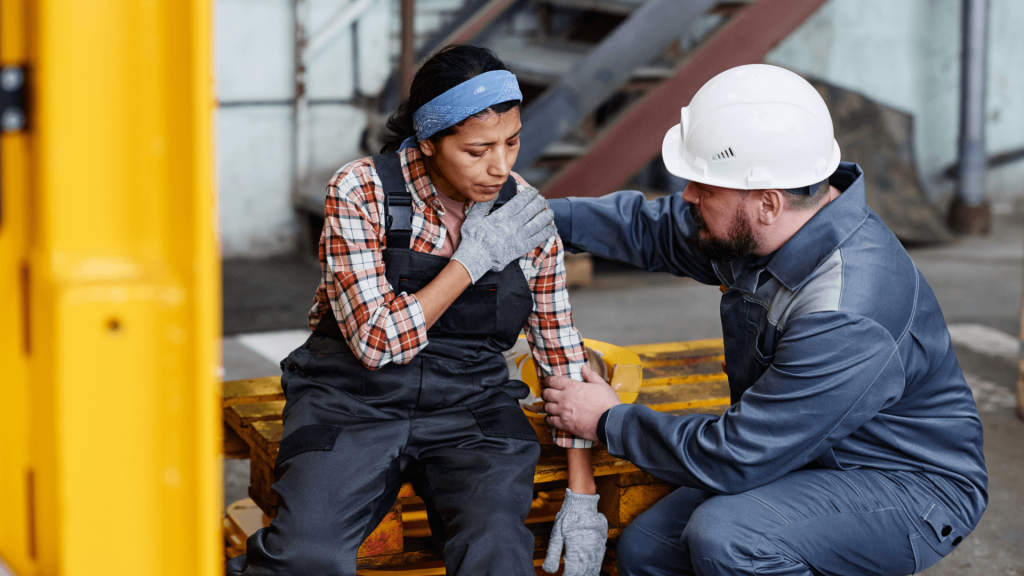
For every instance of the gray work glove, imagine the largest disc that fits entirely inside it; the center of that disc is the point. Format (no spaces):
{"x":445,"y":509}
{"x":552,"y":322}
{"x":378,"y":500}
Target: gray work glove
{"x":584,"y":531}
{"x":492,"y":241}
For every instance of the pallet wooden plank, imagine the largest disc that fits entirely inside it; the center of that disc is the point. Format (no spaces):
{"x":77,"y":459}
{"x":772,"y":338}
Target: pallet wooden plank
{"x":406,"y":491}
{"x":653,"y":350}
{"x":261,"y":478}
{"x":399,"y":559}
{"x":249,"y":413}
{"x":415,"y":524}
{"x":268,"y":436}
{"x":234,"y":445}
{"x":635,"y":479}
{"x":387,"y":537}
{"x":715,"y":357}
{"x":685,"y":395}
{"x":553,"y":465}
{"x":622,"y":504}
{"x":683,"y":374}
{"x":252,"y":390}
{"x":679,"y":377}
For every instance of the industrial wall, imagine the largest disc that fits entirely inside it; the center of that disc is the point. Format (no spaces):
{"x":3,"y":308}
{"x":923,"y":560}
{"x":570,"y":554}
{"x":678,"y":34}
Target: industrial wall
{"x":906,"y":55}
{"x":255,"y":68}
{"x":903,"y":54}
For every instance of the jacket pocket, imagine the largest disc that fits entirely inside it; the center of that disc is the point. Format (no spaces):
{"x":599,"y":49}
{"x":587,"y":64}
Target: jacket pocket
{"x":314,"y":437}
{"x":504,"y":422}
{"x":940,"y":532}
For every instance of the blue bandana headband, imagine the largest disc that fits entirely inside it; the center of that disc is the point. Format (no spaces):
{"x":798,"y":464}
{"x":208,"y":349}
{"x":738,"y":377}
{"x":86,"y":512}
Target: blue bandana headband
{"x":476,"y":94}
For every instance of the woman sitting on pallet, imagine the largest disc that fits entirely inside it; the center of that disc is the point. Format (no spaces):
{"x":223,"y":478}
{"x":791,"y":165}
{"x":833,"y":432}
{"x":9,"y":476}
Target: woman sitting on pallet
{"x":434,"y":258}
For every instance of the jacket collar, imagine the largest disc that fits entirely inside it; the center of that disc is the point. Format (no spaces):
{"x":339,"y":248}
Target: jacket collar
{"x":793,"y":263}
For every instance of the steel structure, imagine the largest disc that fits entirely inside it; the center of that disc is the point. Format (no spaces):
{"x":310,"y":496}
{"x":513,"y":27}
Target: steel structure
{"x":603,"y":71}
{"x":635,"y":137}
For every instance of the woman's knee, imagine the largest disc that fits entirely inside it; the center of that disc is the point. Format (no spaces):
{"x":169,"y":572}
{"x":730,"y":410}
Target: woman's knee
{"x":267,"y":554}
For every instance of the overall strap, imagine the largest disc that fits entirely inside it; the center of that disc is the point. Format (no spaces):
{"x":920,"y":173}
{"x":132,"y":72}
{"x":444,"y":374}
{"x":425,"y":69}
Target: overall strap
{"x":397,"y":200}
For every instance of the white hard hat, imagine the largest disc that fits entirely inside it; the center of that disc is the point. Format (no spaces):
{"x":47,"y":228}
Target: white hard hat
{"x":751,"y":127}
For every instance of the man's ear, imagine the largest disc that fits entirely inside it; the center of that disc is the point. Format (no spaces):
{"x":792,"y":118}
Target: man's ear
{"x":770,"y":206}
{"x":427,"y":147}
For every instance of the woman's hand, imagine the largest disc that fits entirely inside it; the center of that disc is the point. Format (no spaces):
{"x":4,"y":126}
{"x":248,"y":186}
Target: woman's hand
{"x":583,"y":531}
{"x":492,"y":241}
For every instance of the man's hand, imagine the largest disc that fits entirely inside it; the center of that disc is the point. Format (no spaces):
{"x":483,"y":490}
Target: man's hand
{"x":576,"y":406}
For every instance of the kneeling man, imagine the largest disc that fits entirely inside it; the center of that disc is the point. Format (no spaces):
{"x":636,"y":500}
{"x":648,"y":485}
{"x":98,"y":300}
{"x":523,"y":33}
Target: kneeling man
{"x":853,"y":445}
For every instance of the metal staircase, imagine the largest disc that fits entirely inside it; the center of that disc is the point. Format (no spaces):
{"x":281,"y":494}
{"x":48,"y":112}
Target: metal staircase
{"x":627,"y":141}
{"x":604,"y":79}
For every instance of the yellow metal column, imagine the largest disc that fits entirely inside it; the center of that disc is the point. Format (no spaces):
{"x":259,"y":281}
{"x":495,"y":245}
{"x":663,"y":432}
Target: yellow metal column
{"x":109,"y":240}
{"x":17,"y":534}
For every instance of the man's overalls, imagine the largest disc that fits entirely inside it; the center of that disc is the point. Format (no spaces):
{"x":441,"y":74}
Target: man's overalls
{"x":448,"y":421}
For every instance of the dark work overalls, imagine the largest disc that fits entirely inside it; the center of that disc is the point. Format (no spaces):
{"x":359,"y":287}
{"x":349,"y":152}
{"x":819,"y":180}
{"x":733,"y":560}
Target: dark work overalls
{"x":448,"y":421}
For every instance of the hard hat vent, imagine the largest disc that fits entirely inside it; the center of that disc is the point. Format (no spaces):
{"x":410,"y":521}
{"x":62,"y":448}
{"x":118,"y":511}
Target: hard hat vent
{"x":723,"y":155}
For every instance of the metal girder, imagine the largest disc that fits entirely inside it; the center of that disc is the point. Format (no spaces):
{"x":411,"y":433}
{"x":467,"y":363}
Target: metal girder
{"x":607,"y":67}
{"x":635,"y":137}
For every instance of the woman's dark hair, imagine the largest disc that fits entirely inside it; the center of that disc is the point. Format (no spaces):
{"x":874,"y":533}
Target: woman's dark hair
{"x":446,"y":69}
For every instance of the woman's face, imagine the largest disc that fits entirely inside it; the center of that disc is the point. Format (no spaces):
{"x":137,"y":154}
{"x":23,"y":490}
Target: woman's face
{"x":474,"y":162}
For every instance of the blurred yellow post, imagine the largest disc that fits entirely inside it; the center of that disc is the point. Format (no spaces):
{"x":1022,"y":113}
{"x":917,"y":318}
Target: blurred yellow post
{"x":109,"y":292}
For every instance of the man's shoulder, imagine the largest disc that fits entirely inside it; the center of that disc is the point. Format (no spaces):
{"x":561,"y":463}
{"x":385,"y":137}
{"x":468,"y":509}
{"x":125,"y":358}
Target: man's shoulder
{"x":869,"y":274}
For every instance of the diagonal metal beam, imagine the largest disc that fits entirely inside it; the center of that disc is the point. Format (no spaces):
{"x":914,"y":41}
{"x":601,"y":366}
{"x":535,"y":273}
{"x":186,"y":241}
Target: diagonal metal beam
{"x":635,"y":137}
{"x":607,"y":67}
{"x":483,"y":15}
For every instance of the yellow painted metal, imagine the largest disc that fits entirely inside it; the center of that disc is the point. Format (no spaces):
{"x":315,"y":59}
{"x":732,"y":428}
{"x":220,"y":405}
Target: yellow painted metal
{"x":16,"y":535}
{"x":622,"y":364}
{"x":109,"y":209}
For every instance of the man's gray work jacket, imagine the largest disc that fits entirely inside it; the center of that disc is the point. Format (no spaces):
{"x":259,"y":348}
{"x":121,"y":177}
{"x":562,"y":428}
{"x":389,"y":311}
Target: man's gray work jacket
{"x":835,"y":347}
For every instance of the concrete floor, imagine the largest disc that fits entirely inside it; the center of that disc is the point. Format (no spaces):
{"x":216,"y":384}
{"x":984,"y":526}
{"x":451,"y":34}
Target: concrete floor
{"x":977,"y":282}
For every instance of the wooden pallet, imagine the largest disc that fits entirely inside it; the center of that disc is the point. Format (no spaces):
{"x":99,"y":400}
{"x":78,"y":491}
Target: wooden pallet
{"x":678,"y":377}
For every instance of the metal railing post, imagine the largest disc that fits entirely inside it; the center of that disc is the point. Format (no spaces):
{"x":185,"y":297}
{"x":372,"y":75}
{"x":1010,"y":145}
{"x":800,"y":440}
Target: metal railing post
{"x":407,"y":59}
{"x":969,"y":212}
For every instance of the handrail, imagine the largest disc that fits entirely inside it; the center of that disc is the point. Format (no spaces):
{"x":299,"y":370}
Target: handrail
{"x":647,"y":31}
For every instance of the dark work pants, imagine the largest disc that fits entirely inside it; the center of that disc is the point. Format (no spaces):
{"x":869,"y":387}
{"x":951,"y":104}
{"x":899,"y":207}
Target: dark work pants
{"x":807,"y":523}
{"x":342,"y":462}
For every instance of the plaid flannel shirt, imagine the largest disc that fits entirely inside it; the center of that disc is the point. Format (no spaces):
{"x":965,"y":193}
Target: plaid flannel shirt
{"x":381,"y":326}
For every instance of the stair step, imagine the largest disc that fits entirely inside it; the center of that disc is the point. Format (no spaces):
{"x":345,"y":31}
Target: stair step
{"x":562,"y":149}
{"x":543,"y":63}
{"x":617,"y":7}
{"x":652,"y":73}
{"x":538,"y":62}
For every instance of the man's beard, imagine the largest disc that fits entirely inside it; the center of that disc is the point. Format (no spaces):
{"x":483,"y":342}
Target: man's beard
{"x":741,"y":240}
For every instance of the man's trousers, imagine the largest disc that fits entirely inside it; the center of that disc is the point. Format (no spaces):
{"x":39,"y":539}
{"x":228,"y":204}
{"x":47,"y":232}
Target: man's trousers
{"x":808,"y":522}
